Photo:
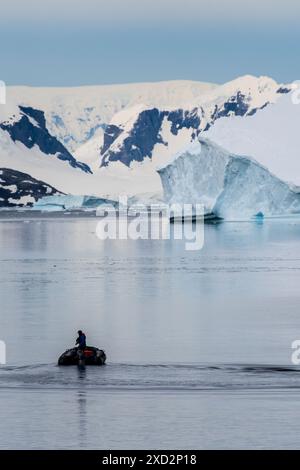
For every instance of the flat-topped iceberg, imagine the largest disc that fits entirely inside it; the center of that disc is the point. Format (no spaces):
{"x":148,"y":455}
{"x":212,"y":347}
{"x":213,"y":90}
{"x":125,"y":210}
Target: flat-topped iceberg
{"x":230,"y":186}
{"x":70,"y":202}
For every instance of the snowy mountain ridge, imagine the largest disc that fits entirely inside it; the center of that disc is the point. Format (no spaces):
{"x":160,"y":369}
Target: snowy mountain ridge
{"x":141,"y":132}
{"x":75,"y":114}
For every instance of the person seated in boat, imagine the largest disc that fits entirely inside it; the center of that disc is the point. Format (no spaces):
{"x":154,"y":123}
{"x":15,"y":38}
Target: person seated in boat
{"x":81,"y":340}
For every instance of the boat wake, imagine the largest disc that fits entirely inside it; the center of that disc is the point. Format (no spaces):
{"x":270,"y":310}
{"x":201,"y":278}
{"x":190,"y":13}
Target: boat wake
{"x":151,"y":377}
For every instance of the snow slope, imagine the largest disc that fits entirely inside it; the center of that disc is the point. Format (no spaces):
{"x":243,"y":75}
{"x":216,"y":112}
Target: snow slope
{"x":135,"y":134}
{"x":28,"y":126}
{"x":27,"y":146}
{"x":105,"y":183}
{"x":271,"y":136}
{"x":89,"y":153}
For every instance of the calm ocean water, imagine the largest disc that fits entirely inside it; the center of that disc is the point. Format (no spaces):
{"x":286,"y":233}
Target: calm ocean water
{"x":198,"y":343}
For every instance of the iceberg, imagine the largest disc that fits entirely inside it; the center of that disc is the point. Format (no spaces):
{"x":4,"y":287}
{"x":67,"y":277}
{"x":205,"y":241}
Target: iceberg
{"x":232,"y":187}
{"x":195,"y":175}
{"x":70,"y":202}
{"x":250,"y":190}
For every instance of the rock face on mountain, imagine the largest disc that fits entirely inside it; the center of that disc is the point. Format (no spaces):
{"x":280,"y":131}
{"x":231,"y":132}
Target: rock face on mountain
{"x":19,"y":189}
{"x":146,"y":132}
{"x":30,"y":129}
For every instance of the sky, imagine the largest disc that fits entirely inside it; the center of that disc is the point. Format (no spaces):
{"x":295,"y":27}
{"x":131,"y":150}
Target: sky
{"x":85,"y":42}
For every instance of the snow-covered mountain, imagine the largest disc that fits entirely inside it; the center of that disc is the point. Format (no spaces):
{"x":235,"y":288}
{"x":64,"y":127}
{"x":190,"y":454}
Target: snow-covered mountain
{"x":66,"y":178}
{"x":40,"y":128}
{"x":106,"y":140}
{"x":75,"y":114}
{"x":228,"y":185}
{"x":141,"y":132}
{"x":27,"y":146}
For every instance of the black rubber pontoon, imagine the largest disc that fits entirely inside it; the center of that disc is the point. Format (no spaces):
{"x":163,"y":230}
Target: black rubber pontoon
{"x":90,"y":356}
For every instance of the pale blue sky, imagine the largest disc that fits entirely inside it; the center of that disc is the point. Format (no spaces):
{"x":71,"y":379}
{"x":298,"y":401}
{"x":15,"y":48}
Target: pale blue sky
{"x":72,"y":42}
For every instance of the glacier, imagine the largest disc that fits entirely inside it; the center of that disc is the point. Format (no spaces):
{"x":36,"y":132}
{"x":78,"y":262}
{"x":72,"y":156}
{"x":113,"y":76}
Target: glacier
{"x":232,"y":187}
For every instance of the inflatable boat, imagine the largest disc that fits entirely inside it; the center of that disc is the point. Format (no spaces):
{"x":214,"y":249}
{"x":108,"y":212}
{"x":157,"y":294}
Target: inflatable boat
{"x":90,"y":356}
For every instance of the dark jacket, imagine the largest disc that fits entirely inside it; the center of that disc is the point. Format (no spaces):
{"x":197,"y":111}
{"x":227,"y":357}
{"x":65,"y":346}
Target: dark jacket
{"x":81,"y":341}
